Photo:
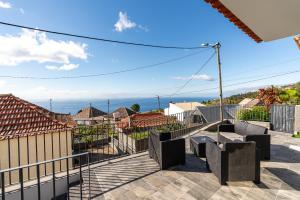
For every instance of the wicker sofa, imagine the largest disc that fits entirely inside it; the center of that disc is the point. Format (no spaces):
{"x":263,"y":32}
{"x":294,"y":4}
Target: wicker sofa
{"x":165,"y":151}
{"x":243,"y":131}
{"x":235,"y":161}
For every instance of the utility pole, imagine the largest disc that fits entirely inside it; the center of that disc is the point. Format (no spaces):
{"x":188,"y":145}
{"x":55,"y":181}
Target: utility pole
{"x":91,"y":114}
{"x":158,"y":101}
{"x":50,"y":106}
{"x":108,"y":109}
{"x":217,"y":47}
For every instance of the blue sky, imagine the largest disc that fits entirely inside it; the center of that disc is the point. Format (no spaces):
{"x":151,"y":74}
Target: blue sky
{"x":168,"y":22}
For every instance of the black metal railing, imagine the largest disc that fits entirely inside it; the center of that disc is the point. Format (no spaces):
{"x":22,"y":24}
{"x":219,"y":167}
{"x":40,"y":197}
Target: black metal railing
{"x":27,"y":191}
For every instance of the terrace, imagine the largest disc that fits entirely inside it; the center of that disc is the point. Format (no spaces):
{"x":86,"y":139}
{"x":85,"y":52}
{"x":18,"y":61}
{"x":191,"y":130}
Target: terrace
{"x":102,"y":167}
{"x":138,"y":177}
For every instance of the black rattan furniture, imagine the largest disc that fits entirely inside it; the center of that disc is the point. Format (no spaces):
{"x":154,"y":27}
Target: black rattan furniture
{"x":198,"y":143}
{"x":243,"y":131}
{"x":165,"y":151}
{"x":235,"y":161}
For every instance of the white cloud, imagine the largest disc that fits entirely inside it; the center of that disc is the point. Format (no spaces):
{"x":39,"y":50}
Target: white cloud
{"x":35,"y":46}
{"x":2,"y":83}
{"x":203,"y":77}
{"x":143,"y":28}
{"x":65,"y":67}
{"x":22,"y":10}
{"x":5,"y":4}
{"x":124,"y":23}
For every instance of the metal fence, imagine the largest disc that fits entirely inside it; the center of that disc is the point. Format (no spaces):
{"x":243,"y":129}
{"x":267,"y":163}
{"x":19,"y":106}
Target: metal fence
{"x":45,"y":155}
{"x":113,"y":139}
{"x":41,"y":189}
{"x":283,"y":118}
{"x":235,"y":112}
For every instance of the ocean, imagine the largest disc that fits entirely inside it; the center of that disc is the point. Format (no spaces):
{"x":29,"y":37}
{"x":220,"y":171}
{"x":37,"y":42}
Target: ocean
{"x":146,"y":104}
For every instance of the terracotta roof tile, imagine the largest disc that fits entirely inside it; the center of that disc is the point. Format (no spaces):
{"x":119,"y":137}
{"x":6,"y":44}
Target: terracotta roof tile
{"x":21,"y":118}
{"x":145,"y":120}
{"x":89,"y":112}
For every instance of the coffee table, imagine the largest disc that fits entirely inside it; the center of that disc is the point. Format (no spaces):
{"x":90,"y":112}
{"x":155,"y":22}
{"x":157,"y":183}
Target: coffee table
{"x":198,"y":145}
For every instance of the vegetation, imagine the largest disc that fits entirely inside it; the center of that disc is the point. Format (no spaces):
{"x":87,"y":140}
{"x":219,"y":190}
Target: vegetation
{"x":257,"y":113}
{"x":289,"y":94}
{"x":88,"y":134}
{"x":269,"y":96}
{"x":297,"y":135}
{"x":234,"y":99}
{"x":135,"y":107}
{"x":165,"y":128}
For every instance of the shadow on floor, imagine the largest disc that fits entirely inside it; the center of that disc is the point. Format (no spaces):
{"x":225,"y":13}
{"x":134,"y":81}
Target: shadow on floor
{"x":193,"y":164}
{"x":290,"y":178}
{"x":114,"y":175}
{"x":281,"y":153}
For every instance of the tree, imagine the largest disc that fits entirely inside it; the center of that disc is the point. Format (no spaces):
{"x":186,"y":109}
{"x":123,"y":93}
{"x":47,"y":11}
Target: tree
{"x":298,"y":87}
{"x":135,"y":107}
{"x":269,"y":96}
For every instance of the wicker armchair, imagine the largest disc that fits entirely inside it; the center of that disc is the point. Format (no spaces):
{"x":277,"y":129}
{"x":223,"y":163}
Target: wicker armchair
{"x":243,"y":131}
{"x":236,"y":161}
{"x":165,"y":151}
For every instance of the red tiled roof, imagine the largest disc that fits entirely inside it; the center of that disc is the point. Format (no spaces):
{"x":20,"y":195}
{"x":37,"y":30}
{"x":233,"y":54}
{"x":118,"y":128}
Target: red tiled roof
{"x":21,"y":118}
{"x":145,"y":120}
{"x":229,"y":15}
{"x":89,"y":112}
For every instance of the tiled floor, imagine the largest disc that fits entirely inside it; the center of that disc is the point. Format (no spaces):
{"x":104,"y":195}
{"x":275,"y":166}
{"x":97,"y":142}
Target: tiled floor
{"x":139,"y":178}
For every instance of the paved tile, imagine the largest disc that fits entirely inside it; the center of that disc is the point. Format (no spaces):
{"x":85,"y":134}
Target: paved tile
{"x":139,"y":178}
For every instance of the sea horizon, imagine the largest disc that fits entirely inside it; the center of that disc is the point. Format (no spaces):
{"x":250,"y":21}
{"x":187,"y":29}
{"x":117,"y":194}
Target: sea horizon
{"x":146,"y":104}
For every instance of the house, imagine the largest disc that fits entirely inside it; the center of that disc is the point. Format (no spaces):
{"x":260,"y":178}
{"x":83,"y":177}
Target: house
{"x":121,"y":113}
{"x":249,"y":103}
{"x":262,"y":20}
{"x":182,"y":110}
{"x":89,"y":116}
{"x":144,"y":120}
{"x":28,"y":135}
{"x":177,"y":108}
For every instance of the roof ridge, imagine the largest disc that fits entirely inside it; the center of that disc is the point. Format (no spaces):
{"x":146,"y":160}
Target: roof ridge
{"x":34,"y":108}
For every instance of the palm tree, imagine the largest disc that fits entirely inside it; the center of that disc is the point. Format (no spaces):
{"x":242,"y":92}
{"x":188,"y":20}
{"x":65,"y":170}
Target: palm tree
{"x":135,"y":107}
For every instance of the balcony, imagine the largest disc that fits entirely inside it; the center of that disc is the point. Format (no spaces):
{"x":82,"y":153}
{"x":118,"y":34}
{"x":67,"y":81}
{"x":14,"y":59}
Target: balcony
{"x":102,"y":167}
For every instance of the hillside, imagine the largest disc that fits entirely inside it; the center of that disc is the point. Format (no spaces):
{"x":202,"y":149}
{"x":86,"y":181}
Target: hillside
{"x":289,"y":94}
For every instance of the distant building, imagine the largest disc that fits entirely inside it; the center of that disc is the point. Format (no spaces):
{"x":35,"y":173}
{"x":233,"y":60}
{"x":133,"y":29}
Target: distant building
{"x":28,"y":134}
{"x":177,"y":108}
{"x":249,"y":103}
{"x":144,"y":120}
{"x":89,"y":116}
{"x":121,"y":113}
{"x":182,"y":110}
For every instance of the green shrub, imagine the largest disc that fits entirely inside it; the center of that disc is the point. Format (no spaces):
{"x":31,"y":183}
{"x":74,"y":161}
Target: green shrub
{"x":257,"y":113}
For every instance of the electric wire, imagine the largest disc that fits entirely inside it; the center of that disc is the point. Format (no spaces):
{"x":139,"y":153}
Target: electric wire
{"x":101,"y":39}
{"x":239,"y":83}
{"x":193,"y":76}
{"x":105,"y":74}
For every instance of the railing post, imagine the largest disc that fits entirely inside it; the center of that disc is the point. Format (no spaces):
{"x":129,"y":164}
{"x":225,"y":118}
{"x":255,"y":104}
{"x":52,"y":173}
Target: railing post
{"x":68,"y":180}
{"x":21,"y":183}
{"x":89,"y":177}
{"x":53,"y":174}
{"x":38,"y":181}
{"x":2,"y":185}
{"x":80,"y":177}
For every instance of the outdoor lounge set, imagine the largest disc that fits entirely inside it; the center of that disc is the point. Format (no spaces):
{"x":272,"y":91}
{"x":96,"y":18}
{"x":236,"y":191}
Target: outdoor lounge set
{"x":233,"y":156}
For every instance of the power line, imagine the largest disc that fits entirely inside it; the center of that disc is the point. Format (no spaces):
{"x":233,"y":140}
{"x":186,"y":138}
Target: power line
{"x":100,"y":39}
{"x":193,"y":76}
{"x":239,"y":83}
{"x":241,"y":78}
{"x":105,"y":74}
